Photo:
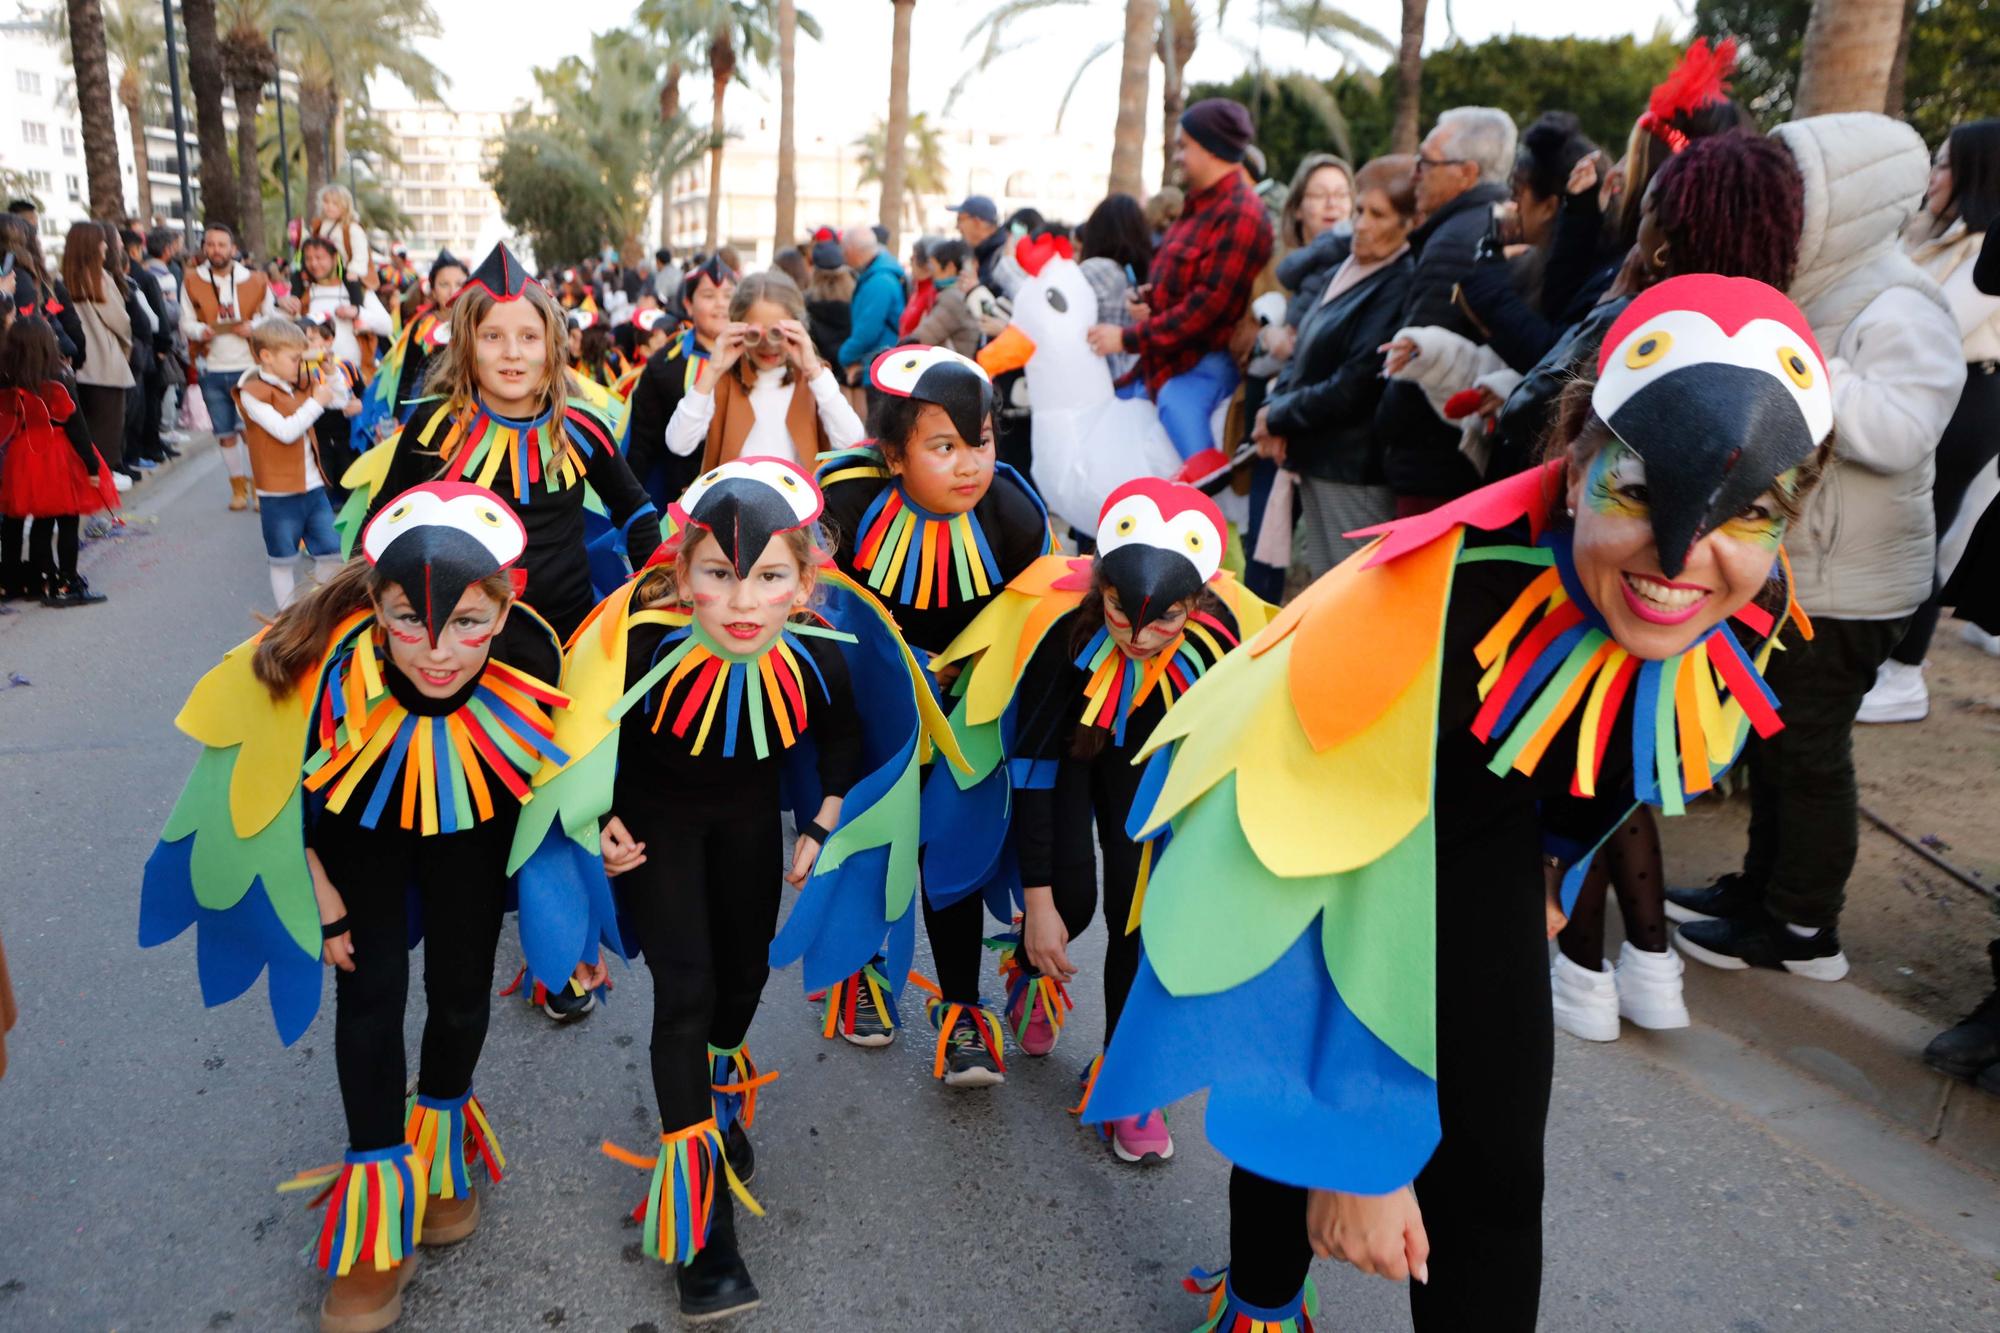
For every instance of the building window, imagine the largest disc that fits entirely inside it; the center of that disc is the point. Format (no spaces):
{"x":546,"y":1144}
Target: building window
{"x":27,"y":81}
{"x":40,"y":180}
{"x":74,"y":186}
{"x":34,"y":132}
{"x":68,"y":141}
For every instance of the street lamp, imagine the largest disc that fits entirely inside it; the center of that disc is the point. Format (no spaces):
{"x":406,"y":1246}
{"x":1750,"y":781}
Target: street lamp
{"x":180,"y":124}
{"x":284,"y":154}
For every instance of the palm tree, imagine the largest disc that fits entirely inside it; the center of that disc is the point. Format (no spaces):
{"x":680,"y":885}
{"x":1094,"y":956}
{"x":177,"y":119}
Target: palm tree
{"x":924,"y":171}
{"x":134,"y":37}
{"x":1409,"y":78}
{"x":1850,"y":48}
{"x":1128,"y":142}
{"x":897,"y":132}
{"x":248,"y":63}
{"x":205,"y":81}
{"x":336,"y":63}
{"x":93,"y":102}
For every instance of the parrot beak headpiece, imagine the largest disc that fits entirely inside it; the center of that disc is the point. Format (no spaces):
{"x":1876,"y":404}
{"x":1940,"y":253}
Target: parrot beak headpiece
{"x":501,"y":274}
{"x":1158,"y":543}
{"x":1719,"y":387}
{"x":941,"y":376}
{"x":438,"y":539}
{"x":648,"y":320}
{"x":744,"y":503}
{"x":711,"y":270}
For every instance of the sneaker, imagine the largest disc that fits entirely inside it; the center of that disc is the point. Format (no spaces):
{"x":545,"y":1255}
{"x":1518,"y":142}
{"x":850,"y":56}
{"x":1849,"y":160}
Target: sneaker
{"x":1899,"y":695}
{"x":1649,"y":988}
{"x":71,"y":592}
{"x":1974,"y":1045}
{"x":121,"y":482}
{"x":860,"y":1009}
{"x":1728,"y":896}
{"x":969,"y":1049}
{"x":1585,"y":1002}
{"x":1980,"y":639}
{"x":1141,"y":1138}
{"x":144,"y":464}
{"x":1764,"y":941}
{"x":1028,"y":1015}
{"x":568,"y":1004}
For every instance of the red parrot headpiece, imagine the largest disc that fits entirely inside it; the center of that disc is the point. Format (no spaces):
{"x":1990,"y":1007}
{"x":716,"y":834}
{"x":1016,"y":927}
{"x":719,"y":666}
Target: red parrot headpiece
{"x":1701,"y":79}
{"x":1718,"y":385}
{"x":1158,"y":543}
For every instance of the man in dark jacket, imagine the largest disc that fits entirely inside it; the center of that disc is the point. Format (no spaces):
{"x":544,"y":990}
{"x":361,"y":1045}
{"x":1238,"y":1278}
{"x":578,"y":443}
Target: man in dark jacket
{"x":1463,"y":168}
{"x":979,"y":228}
{"x":143,"y":445}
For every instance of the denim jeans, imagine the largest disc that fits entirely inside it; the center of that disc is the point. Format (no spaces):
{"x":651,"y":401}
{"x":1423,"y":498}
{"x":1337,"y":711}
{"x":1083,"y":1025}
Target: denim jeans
{"x":290,"y":518}
{"x":215,"y":392}
{"x":1189,"y":399}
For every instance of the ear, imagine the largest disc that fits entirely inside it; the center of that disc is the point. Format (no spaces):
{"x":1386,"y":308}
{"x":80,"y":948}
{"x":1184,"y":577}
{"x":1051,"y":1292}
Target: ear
{"x":500,"y":622}
{"x":1573,"y":485}
{"x":808,"y":582}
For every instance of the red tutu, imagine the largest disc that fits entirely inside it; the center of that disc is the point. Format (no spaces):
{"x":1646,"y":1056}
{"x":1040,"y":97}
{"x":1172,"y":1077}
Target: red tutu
{"x":40,"y":474}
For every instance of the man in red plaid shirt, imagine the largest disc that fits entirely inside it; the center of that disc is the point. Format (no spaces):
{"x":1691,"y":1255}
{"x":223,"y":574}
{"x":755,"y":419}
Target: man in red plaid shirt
{"x":1200,"y":282}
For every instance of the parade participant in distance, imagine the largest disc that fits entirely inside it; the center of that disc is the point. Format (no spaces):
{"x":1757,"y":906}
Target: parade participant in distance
{"x":366,"y":757}
{"x":399,"y":375}
{"x":705,"y":293}
{"x":1346,"y":941}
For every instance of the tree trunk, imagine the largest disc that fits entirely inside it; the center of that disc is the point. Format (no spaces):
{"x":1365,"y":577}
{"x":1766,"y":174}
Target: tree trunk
{"x":670,"y":109}
{"x":93,"y":104}
{"x":1403,"y":136}
{"x":1849,"y":48}
{"x":135,"y":122}
{"x":1892,"y":104}
{"x":337,"y":158}
{"x":204,"y":72}
{"x":249,"y":173}
{"x":316,"y":112}
{"x":715,"y":131}
{"x":1173,"y":87}
{"x":1128,"y":141}
{"x":896,"y":134}
{"x":785,"y":231}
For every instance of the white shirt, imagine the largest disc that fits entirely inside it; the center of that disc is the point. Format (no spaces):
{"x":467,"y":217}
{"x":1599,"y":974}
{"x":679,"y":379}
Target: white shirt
{"x":769,"y":401}
{"x":372,"y":318}
{"x":228,"y":351}
{"x":284,"y":429}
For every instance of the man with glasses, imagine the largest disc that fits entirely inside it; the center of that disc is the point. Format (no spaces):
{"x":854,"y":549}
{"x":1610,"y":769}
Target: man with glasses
{"x":1462,"y":170}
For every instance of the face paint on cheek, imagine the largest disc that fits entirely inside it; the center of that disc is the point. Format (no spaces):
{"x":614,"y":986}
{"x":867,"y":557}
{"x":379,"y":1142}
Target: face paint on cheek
{"x":406,"y":636}
{"x":1615,"y":471}
{"x":779,"y":598}
{"x":706,"y":598}
{"x":479,"y":641}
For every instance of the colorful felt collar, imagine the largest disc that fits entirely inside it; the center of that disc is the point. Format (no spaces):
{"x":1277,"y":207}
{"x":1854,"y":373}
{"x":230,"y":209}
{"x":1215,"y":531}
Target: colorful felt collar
{"x":1550,"y":653}
{"x":1118,"y":685}
{"x":920,"y":559}
{"x":747,"y":688}
{"x":432,"y":762}
{"x":529,"y":457}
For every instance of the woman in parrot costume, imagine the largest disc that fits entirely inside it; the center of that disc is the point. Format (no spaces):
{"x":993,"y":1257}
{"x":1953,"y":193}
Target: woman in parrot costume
{"x":366,"y":758}
{"x":712,"y":692}
{"x":1373,"y":799}
{"x":934,"y":525}
{"x":399,"y":373}
{"x":1064,"y":677}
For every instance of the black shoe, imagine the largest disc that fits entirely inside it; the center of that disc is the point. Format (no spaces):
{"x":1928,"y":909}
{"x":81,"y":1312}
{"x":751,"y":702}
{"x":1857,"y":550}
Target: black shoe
{"x":167,"y":453}
{"x":1729,"y":896}
{"x":1762,"y":940}
{"x":71,"y":592}
{"x":134,"y":473}
{"x":1973,"y":1045}
{"x":20,"y":583}
{"x":968,"y":1063}
{"x":716,"y":1282}
{"x":1990,"y":1080}
{"x":736,"y":1150}
{"x":567,"y":1004}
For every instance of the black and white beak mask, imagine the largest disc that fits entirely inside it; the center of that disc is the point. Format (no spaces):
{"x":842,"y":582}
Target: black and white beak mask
{"x":438,"y":539}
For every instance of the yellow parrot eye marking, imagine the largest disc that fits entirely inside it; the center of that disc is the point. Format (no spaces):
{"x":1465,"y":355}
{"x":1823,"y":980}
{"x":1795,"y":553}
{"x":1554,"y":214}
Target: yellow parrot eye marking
{"x":1796,"y":367}
{"x":1648,"y":349}
{"x":396,"y":514}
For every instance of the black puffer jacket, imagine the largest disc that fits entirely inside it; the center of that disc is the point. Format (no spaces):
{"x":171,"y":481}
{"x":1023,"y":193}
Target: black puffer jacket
{"x":1531,"y":409}
{"x":1326,"y":409}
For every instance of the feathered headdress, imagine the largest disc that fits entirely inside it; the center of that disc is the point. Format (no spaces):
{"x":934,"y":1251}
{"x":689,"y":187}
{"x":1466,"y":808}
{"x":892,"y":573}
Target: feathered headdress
{"x":1701,"y":79}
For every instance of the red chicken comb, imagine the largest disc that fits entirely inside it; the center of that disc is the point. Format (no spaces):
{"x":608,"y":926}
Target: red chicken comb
{"x":1036,"y":251}
{"x":1701,"y":79}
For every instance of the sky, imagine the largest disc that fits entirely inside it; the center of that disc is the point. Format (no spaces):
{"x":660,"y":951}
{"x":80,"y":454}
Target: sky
{"x":844,"y":79}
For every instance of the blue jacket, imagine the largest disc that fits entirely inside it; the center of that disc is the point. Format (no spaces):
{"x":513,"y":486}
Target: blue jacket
{"x":878,"y":310}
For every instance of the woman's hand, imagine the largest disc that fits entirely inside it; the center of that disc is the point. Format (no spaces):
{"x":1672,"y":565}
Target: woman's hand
{"x":1401,"y":352}
{"x":1281,"y":342}
{"x":805,"y":853}
{"x":622,"y":852}
{"x":799,"y":347}
{"x":339,"y":949}
{"x":1582,"y":176}
{"x":1044,"y":937}
{"x":289,"y":304}
{"x":1380,"y":1234}
{"x":1106,"y":339}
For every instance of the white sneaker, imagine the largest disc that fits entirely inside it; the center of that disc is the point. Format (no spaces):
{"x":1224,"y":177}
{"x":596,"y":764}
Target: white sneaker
{"x":1980,"y":639}
{"x":121,"y":481}
{"x":1649,"y":988}
{"x":1586,"y":1002}
{"x":1899,"y":695}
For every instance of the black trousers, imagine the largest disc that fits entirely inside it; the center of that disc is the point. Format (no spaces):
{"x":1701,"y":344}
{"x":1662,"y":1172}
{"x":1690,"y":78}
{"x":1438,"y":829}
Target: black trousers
{"x":461,"y":886}
{"x":1967,"y":448}
{"x":704,"y":907}
{"x":335,"y":433}
{"x":52,"y":545}
{"x":1804,"y":816}
{"x":104,"y":410}
{"x":150,"y":420}
{"x":1481,"y":1192}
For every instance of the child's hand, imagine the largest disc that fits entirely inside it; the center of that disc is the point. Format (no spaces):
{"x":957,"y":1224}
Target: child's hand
{"x":352,"y":408}
{"x":622,"y":852}
{"x":337,"y":950}
{"x":804,"y":853}
{"x":591,"y":975}
{"x":1044,"y":938}
{"x":323,"y":395}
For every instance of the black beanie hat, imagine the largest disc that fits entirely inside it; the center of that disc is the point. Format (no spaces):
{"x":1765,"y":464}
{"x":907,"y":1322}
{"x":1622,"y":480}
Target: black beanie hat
{"x":1221,"y":126}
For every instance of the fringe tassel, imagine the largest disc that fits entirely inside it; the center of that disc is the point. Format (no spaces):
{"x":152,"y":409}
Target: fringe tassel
{"x":1228,"y":1313}
{"x":374,"y":1208}
{"x":733,"y":1084}
{"x":1028,"y":991}
{"x":680,"y":1201}
{"x":435,"y":1124}
{"x":945,"y":1015}
{"x":844,"y":998}
{"x":1088,"y":1080}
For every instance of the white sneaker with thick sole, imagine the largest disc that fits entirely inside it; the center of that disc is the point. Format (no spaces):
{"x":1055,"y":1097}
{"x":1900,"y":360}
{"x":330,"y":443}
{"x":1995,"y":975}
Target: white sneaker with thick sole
{"x":1586,"y":1002}
{"x":1980,"y":639}
{"x":1649,"y":988}
{"x":1899,"y":695}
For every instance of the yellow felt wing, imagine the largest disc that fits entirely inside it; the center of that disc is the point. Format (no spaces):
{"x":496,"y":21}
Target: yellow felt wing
{"x":1013,"y":623}
{"x":369,"y":471}
{"x":1251,"y":612}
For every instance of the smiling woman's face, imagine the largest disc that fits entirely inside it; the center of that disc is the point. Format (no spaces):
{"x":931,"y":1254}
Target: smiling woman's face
{"x":1618,"y":561}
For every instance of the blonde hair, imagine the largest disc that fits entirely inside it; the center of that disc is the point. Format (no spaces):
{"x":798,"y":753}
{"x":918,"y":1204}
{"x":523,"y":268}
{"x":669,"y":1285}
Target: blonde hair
{"x":662,"y":584}
{"x":275,"y":335}
{"x":455,"y":374}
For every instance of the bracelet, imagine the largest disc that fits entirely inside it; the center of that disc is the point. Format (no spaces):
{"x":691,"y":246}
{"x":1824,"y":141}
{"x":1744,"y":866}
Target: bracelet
{"x":337,"y":926}
{"x":814,"y":830}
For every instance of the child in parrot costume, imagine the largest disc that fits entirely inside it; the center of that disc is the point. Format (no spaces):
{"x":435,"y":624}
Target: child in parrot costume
{"x":1064,"y":677}
{"x":1346,"y":941}
{"x":933,"y":525}
{"x":712,"y":691}
{"x":366,"y":758}
{"x":398,"y":381}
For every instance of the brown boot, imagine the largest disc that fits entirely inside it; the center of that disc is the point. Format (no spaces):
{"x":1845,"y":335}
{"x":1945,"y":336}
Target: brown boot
{"x":449,"y":1221}
{"x":367,"y":1300}
{"x":239,"y":494}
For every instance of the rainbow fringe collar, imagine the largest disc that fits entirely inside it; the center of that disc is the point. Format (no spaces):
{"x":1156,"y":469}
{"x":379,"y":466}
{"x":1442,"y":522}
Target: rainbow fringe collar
{"x":1118,"y":684}
{"x":1229,"y":1313}
{"x":1550,"y":653}
{"x":680,"y":1202}
{"x":540,"y":455}
{"x":768,"y":685}
{"x":920,"y":559}
{"x":374,"y":1208}
{"x":451,"y":1133}
{"x":361,"y":728}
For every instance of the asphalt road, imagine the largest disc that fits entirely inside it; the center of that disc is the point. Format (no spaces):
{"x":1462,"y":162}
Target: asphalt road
{"x":141,"y":1137}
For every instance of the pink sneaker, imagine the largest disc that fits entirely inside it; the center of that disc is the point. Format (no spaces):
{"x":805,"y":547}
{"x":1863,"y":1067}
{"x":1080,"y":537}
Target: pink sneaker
{"x":1139,"y":1138}
{"x":1035,"y":1014}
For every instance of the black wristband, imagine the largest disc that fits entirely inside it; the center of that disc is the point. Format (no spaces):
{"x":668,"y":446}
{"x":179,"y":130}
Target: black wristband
{"x":337,"y":926}
{"x":812,"y":829}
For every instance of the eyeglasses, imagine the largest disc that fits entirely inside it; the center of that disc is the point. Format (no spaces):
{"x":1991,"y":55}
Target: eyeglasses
{"x":1433,"y":163}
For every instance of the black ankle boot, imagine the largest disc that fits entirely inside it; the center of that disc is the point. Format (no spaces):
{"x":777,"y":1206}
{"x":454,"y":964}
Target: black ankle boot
{"x":1973,"y":1046}
{"x":716,"y":1283}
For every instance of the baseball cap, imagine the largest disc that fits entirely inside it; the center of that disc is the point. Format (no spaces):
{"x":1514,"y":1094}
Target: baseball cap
{"x":979,"y":206}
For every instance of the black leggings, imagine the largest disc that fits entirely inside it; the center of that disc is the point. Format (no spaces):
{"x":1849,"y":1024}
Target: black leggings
{"x":1481,"y":1193}
{"x":52,"y":545}
{"x":704,"y":907}
{"x":1629,"y":862}
{"x":1967,"y":448}
{"x":461,"y":884}
{"x":1099,"y":791}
